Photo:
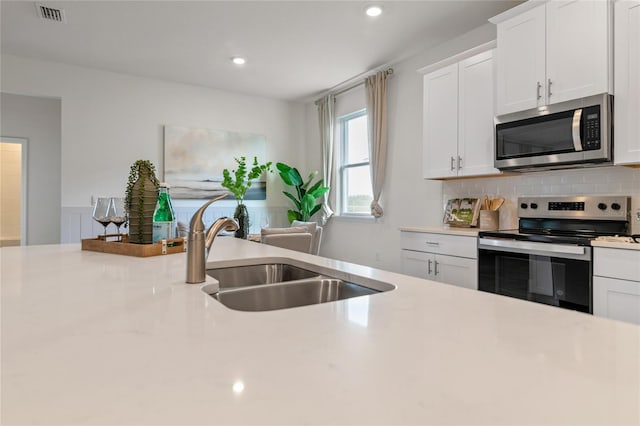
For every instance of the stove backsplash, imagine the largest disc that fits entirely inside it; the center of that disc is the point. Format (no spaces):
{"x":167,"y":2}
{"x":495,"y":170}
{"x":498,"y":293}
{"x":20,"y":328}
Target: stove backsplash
{"x":596,"y":181}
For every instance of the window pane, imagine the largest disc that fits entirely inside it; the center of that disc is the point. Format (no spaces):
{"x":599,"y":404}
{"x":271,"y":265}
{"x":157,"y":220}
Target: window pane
{"x":357,"y":146}
{"x":358,"y":190}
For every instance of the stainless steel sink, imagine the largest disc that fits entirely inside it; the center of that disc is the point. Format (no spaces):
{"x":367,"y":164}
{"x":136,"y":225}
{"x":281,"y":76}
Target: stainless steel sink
{"x":251,"y":275}
{"x":291,"y":294}
{"x":268,"y":286}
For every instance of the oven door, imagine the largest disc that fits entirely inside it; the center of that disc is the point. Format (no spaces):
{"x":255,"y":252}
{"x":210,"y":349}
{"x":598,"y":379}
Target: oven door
{"x":553,"y":274}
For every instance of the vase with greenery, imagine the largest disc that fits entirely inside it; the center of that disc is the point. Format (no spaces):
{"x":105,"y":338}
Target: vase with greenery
{"x":140,"y":201}
{"x":238,"y":181}
{"x":307,"y":192}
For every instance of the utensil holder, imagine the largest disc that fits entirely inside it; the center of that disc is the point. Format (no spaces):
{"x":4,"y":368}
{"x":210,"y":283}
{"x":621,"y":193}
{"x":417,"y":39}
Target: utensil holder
{"x":489,"y":220}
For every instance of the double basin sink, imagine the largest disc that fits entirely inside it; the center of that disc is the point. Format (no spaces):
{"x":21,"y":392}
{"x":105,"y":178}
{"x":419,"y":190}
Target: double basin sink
{"x":280,"y":285}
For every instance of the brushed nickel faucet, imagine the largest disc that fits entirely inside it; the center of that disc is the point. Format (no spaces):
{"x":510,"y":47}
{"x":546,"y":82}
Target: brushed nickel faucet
{"x":198,"y":246}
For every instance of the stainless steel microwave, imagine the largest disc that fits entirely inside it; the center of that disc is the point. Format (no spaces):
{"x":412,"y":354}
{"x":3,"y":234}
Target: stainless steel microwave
{"x":575,"y":133}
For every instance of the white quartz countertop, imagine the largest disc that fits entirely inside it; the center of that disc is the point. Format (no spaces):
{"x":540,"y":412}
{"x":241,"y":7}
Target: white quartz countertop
{"x":91,"y":338}
{"x":616,"y":245}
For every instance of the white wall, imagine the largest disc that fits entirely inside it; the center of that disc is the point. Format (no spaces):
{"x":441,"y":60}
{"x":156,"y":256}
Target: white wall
{"x":37,"y":120}
{"x":407,"y":198}
{"x":109,"y":120}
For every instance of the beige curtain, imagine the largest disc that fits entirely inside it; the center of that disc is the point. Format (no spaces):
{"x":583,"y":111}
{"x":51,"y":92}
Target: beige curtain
{"x":326,"y":118}
{"x":376,"y":92}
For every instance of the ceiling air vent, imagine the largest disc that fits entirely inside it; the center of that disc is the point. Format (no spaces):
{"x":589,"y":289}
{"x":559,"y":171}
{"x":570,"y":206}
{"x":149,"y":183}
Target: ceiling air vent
{"x":50,"y":13}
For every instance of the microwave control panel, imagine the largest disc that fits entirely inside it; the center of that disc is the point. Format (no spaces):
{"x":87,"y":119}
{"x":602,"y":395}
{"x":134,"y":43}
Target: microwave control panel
{"x":591,"y":128}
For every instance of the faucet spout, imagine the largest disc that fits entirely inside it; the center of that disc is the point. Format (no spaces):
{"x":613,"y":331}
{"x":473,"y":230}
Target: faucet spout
{"x":198,"y":246}
{"x":223,"y":223}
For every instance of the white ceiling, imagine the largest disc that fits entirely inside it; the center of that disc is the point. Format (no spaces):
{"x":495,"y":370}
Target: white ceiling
{"x":294,"y":49}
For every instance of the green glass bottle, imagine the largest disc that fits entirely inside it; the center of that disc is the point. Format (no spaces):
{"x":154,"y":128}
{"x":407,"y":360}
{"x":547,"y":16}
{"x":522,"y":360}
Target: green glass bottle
{"x":164,"y":217}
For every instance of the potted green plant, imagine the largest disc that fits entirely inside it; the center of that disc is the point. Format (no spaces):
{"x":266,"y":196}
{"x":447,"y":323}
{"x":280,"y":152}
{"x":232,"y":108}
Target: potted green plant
{"x":306,"y":192}
{"x":238,"y":182}
{"x":140,"y":201}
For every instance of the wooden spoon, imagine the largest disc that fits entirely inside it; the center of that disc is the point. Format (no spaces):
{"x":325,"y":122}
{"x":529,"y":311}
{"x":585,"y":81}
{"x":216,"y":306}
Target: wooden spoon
{"x":496,"y":203}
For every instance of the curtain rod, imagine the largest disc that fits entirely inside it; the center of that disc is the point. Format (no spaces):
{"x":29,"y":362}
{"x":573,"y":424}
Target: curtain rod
{"x":388,"y":71}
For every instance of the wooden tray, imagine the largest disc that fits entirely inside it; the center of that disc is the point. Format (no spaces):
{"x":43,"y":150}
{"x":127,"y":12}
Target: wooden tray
{"x":122,"y":246}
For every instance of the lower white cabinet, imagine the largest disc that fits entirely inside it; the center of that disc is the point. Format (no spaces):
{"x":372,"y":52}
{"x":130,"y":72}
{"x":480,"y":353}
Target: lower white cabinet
{"x":429,"y":255}
{"x":616,"y":284}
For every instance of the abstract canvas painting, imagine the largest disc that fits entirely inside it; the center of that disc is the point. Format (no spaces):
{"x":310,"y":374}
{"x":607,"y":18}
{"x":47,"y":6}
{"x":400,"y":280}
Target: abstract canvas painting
{"x":194,"y":159}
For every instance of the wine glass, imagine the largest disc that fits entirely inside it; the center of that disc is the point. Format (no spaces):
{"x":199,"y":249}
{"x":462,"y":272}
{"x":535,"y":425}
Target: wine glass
{"x":102,"y":212}
{"x":118,"y":212}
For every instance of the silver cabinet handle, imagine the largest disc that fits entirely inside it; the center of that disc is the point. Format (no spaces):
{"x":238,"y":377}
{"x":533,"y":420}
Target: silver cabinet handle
{"x":575,"y":130}
{"x":459,"y":162}
{"x":429,"y":267}
{"x":453,"y":160}
{"x":435,"y":270}
{"x":539,"y":86}
{"x":432,"y":243}
{"x":549,"y":88}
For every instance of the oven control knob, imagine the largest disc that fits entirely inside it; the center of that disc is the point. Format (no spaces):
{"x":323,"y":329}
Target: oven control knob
{"x":534,"y":206}
{"x":615,"y":206}
{"x":602,"y":206}
{"x":523,"y":205}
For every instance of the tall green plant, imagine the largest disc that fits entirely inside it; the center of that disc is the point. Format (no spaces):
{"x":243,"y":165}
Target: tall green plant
{"x":242,"y":177}
{"x":306,"y":193}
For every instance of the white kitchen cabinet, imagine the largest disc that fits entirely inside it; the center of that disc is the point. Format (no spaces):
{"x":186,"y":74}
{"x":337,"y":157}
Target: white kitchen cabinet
{"x":627,"y":82}
{"x":440,"y":109}
{"x":520,"y":61}
{"x":458,"y":112}
{"x":449,"y":259}
{"x":616,"y":284}
{"x":552,"y":52}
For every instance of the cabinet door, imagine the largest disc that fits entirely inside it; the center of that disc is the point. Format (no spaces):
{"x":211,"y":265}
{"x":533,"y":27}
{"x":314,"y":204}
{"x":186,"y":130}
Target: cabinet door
{"x":627,"y":78}
{"x":616,"y":299}
{"x":440,"y":118}
{"x":458,"y":271}
{"x":418,"y":264}
{"x":521,"y":61}
{"x":476,"y":113}
{"x":577,"y":49}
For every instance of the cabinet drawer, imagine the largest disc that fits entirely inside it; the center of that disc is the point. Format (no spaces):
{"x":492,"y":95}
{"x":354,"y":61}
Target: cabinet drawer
{"x":616,"y":263}
{"x":455,"y":245}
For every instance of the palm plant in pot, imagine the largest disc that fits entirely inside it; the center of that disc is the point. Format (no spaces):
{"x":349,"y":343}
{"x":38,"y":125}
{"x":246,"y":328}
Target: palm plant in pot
{"x":306,"y":195}
{"x":238,"y":182}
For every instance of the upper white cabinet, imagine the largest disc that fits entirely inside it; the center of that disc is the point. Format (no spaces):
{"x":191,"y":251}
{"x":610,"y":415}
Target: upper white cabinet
{"x":458,"y":111}
{"x":627,"y":82}
{"x":440,"y":121}
{"x":552,"y":52}
{"x":520,"y":61}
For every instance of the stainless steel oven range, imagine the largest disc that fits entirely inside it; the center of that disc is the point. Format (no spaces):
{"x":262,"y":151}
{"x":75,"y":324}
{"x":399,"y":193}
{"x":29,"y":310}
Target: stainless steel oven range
{"x":548,"y":259}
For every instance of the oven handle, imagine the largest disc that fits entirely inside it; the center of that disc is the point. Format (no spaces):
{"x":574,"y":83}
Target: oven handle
{"x":531,"y":247}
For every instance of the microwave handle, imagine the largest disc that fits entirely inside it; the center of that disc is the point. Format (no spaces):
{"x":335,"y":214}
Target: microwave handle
{"x":575,"y":130}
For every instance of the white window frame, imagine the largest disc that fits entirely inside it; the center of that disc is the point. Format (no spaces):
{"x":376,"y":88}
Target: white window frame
{"x":343,"y":168}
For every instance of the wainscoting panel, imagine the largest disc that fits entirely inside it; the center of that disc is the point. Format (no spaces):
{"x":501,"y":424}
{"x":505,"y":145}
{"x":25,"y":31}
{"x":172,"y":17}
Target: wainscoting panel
{"x":78,"y":223}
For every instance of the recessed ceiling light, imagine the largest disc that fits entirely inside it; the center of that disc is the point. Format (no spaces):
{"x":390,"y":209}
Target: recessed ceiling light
{"x":238,"y":60}
{"x":374,"y":10}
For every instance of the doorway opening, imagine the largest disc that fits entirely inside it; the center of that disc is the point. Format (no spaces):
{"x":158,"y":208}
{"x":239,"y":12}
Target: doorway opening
{"x":13,"y":196}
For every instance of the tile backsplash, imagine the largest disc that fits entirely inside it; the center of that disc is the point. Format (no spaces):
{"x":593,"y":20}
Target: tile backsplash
{"x":588,"y":181}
